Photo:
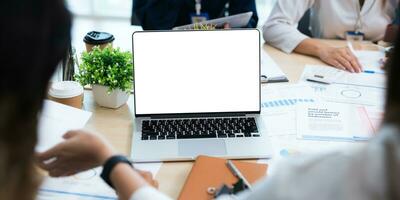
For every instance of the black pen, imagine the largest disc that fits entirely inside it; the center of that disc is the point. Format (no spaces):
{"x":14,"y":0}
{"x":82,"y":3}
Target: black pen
{"x":237,"y":173}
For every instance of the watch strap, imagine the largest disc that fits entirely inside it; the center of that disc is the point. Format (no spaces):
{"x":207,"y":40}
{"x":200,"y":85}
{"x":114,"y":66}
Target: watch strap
{"x":109,"y":166}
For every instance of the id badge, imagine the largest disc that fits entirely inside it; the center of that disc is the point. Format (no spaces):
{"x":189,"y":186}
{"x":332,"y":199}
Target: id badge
{"x":198,"y":18}
{"x":354,"y":36}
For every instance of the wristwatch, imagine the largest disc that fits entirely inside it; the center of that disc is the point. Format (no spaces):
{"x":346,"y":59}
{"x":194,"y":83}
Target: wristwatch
{"x":109,"y":166}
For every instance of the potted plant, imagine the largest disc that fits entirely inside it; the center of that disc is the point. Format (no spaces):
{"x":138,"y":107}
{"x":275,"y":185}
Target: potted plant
{"x":110,"y":73}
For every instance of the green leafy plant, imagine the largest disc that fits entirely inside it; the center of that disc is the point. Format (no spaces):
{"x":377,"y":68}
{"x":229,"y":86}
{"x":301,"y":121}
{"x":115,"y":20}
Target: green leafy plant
{"x":204,"y":27}
{"x":108,"y":67}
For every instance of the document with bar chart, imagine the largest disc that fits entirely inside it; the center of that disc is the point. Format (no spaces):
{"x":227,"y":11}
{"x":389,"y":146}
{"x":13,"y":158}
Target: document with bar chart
{"x":284,"y":102}
{"x":286,"y":96}
{"x":278,"y":107}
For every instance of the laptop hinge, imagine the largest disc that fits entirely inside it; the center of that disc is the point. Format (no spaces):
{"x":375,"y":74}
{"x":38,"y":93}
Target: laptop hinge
{"x":199,"y":115}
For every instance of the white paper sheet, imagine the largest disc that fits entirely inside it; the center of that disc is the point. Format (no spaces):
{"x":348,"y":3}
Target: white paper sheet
{"x":299,"y":92}
{"x":333,"y":121}
{"x":56,"y":119}
{"x":86,"y":186}
{"x":280,"y":121}
{"x":376,"y":80}
{"x":278,"y":107}
{"x":362,"y":79}
{"x":371,"y":60}
{"x":359,"y":89}
{"x":284,"y":96}
{"x":150,"y":167}
{"x":375,"y":117}
{"x":350,"y":94}
{"x":271,"y":70}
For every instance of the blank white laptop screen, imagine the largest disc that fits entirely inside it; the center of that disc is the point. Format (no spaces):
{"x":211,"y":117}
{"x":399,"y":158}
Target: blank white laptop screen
{"x":182,"y":72}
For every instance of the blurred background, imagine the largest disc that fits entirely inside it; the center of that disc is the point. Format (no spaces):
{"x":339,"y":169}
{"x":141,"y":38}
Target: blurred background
{"x":121,"y":9}
{"x":114,"y":16}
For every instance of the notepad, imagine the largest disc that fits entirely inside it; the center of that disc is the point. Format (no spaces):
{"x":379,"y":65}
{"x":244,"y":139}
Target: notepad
{"x":213,"y":172}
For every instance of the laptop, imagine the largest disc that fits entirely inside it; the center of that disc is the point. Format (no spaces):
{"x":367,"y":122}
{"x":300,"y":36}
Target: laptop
{"x":197,"y":93}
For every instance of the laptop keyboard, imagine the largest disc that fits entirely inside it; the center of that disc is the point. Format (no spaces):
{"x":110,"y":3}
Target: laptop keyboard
{"x":199,"y":128}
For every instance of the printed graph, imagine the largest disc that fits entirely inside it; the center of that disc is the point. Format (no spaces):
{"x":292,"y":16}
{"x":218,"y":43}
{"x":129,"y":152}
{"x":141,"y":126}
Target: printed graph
{"x":318,"y":88}
{"x":285,"y":102}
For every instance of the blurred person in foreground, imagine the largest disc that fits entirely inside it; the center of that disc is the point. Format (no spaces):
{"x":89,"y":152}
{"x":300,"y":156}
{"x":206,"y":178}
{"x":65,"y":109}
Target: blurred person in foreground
{"x":35,"y":38}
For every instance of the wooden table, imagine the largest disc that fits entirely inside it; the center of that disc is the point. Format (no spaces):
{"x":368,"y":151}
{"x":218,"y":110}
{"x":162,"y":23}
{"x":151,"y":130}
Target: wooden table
{"x":116,"y":125}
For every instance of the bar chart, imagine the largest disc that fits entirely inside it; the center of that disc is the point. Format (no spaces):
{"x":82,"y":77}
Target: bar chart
{"x":285,"y":102}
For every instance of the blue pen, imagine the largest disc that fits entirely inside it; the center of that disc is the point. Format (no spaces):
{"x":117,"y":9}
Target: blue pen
{"x":372,"y":72}
{"x":369,"y":72}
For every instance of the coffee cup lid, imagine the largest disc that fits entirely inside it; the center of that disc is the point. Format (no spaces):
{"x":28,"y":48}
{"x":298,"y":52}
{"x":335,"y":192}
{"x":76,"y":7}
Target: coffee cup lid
{"x":65,"y":89}
{"x":98,"y":38}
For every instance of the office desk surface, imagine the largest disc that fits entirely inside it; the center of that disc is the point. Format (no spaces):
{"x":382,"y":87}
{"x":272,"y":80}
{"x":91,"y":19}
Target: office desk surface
{"x":116,"y":125}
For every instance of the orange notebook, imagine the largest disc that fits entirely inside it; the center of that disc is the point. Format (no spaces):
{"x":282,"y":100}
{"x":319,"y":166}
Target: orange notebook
{"x":213,"y":172}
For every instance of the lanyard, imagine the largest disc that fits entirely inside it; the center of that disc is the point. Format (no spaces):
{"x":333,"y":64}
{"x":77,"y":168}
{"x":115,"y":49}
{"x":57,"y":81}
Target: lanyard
{"x":198,"y":7}
{"x":358,"y":25}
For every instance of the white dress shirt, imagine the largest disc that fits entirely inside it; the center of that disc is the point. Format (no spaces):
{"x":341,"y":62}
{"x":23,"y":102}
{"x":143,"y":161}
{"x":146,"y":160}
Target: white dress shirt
{"x":330,"y":19}
{"x":371,"y":173}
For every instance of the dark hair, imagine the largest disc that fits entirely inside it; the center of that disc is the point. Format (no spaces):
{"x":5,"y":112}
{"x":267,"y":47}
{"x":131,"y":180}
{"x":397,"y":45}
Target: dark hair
{"x":392,"y":108}
{"x":34,"y":37}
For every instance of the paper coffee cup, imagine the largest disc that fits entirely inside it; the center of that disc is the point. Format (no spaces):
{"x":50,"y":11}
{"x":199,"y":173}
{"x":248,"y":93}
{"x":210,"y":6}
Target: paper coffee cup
{"x":67,"y":92}
{"x":95,"y":38}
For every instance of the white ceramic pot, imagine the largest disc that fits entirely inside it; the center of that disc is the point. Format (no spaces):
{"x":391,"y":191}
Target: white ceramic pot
{"x":115,"y":99}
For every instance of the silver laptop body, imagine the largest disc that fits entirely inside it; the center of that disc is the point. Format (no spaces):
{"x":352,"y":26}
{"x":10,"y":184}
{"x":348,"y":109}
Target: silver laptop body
{"x":197,"y":93}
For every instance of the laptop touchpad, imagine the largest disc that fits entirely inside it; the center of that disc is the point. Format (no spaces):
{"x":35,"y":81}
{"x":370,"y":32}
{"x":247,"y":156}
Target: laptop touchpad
{"x":194,"y":148}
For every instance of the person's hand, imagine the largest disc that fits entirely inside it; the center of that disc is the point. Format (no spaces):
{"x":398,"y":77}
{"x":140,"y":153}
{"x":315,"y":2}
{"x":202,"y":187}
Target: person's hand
{"x":341,"y":58}
{"x":148,"y":176}
{"x":227,"y":26}
{"x":79,"y":152}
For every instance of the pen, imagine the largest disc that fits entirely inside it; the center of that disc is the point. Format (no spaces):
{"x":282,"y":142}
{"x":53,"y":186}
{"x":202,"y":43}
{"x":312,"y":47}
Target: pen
{"x":371,"y":72}
{"x":264,"y":77}
{"x":351,"y":47}
{"x":237,"y":173}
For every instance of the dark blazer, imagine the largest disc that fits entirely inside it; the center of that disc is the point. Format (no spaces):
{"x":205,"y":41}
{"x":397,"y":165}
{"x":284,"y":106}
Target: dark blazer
{"x":166,"y":14}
